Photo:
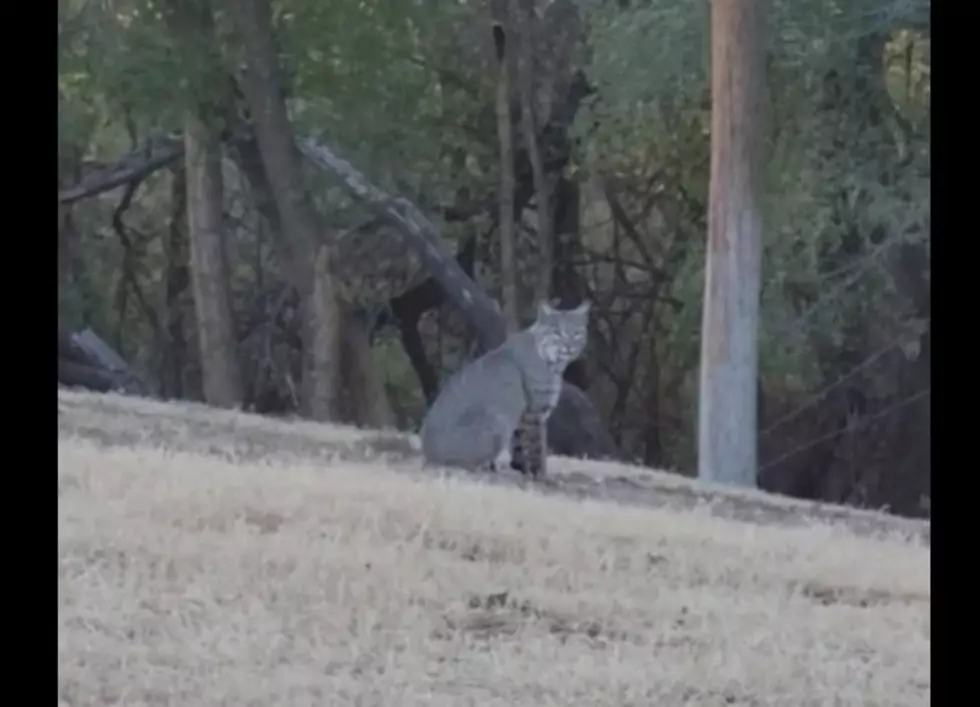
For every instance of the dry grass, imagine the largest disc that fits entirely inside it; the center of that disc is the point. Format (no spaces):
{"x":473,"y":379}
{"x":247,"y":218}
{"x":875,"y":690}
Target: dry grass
{"x":330,"y":570}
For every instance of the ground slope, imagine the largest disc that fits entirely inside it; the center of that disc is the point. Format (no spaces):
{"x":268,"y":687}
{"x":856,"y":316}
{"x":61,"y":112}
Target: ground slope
{"x":210,"y":558}
{"x":117,"y":420}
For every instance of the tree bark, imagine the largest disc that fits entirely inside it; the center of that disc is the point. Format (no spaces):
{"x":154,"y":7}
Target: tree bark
{"x":178,"y":368}
{"x":192,"y":25}
{"x":727,"y":433}
{"x":310,"y":260}
{"x":69,"y":158}
{"x":364,"y":398}
{"x":508,"y":265}
{"x":523,"y":28}
{"x":209,"y":260}
{"x":361,"y":397}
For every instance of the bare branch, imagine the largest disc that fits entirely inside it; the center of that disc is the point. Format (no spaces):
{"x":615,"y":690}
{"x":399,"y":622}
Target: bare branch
{"x":128,"y":276}
{"x":136,"y":166}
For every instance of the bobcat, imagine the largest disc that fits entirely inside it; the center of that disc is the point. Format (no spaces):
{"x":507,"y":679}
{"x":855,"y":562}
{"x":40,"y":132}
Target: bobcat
{"x":511,"y":389}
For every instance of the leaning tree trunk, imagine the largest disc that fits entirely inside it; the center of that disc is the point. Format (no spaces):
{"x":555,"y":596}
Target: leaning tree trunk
{"x":310,"y":259}
{"x":729,"y":333}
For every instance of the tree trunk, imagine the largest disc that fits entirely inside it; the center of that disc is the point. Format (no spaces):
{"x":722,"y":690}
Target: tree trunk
{"x":68,"y":164}
{"x":209,"y":261}
{"x":192,"y":26}
{"x":566,"y":284}
{"x":542,"y":189}
{"x":727,"y":444}
{"x":508,"y":266}
{"x":364,"y":399}
{"x":361,"y":396}
{"x":310,"y":261}
{"x":177,"y":366}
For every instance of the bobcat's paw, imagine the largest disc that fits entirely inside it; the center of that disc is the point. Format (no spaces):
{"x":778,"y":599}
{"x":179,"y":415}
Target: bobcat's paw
{"x":535,"y":470}
{"x":502,"y":461}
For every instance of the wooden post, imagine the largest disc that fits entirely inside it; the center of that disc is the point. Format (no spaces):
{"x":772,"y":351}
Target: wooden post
{"x":728,"y":429}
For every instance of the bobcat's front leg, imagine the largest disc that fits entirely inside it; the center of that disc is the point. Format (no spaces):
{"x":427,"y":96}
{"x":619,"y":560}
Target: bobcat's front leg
{"x":534,"y":445}
{"x":541,"y":453}
{"x":502,"y":460}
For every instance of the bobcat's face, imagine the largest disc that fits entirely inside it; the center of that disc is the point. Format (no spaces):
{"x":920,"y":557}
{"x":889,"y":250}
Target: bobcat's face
{"x":562,"y":333}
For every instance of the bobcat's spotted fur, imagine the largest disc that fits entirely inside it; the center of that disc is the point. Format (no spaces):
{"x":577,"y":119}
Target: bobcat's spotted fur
{"x":513,"y":388}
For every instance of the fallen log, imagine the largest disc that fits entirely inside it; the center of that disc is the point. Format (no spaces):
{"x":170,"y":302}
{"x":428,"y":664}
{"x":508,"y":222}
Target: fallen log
{"x":80,"y":375}
{"x":85,"y":360}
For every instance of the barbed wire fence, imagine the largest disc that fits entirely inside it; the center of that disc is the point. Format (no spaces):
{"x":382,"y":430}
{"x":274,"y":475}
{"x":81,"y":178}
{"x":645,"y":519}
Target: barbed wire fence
{"x":835,"y":285}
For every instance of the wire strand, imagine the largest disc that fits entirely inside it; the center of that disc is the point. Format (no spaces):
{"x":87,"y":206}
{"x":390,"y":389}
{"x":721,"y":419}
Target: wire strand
{"x":863,"y":423}
{"x":861,"y":266}
{"x":820,"y":395}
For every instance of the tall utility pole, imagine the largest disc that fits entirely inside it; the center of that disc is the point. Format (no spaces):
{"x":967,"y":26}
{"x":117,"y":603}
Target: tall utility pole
{"x":727,"y":412}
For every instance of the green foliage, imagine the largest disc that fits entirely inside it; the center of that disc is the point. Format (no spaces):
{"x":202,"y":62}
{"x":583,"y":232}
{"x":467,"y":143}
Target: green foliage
{"x":848,"y":158}
{"x":365,"y":76}
{"x":131,"y":55}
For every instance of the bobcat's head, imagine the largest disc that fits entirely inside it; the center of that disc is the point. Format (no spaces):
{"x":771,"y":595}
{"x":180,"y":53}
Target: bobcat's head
{"x":561,"y":334}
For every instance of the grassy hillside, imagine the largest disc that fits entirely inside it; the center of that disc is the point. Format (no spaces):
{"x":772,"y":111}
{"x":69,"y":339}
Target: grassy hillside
{"x":214,"y":558}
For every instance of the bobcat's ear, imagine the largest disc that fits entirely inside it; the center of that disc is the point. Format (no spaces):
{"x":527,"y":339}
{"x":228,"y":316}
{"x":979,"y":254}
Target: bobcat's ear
{"x":583,"y":308}
{"x":544,"y":308}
